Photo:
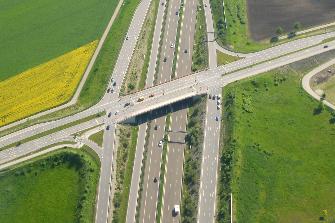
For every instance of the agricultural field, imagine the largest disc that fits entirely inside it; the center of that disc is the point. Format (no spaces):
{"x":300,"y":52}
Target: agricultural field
{"x":324,"y":83}
{"x":43,"y":87}
{"x":60,"y":187}
{"x":36,"y":31}
{"x":265,"y":16}
{"x":277,"y":158}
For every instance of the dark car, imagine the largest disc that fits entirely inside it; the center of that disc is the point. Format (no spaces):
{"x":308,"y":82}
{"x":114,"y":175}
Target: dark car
{"x":109,"y":114}
{"x":126,"y":104}
{"x":325,"y":46}
{"x":164,"y":59}
{"x":107,"y":128}
{"x":155,"y":180}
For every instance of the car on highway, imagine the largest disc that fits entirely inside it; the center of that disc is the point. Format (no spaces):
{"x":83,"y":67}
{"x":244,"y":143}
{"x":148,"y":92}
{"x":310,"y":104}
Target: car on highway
{"x":216,"y":118}
{"x":175,"y":210}
{"x":155,"y":179}
{"x":126,"y":104}
{"x":325,"y":46}
{"x":109,"y":114}
{"x":185,"y":51}
{"x":108,"y":127}
{"x":164,"y":60}
{"x":172,"y":45}
{"x":177,"y":12}
{"x":156,"y":127}
{"x":160,"y":144}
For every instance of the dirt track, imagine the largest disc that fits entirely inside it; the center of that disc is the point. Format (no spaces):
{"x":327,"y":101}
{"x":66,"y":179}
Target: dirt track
{"x":266,"y":15}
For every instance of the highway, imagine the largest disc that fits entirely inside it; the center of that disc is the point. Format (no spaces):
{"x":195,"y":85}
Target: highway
{"x":140,"y":146}
{"x":176,"y":144}
{"x":166,"y":92}
{"x":149,"y":201}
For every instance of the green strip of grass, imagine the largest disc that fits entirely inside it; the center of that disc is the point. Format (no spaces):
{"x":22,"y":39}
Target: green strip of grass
{"x":162,"y":171}
{"x":224,"y":59}
{"x":192,"y":164}
{"x":124,"y":169}
{"x":97,"y":137}
{"x":60,"y":186}
{"x":200,"y":47}
{"x":276,"y":151}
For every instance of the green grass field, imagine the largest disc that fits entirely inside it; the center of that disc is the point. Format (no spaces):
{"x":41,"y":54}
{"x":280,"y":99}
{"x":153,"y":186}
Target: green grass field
{"x":56,"y":188}
{"x":36,"y":31}
{"x":278,"y":153}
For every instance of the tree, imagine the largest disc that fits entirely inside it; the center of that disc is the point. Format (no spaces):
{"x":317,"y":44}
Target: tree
{"x":297,"y":26}
{"x":279,"y":30}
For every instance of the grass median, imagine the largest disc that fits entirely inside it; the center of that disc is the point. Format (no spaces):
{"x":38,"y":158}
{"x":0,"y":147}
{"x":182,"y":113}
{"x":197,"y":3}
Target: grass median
{"x":192,"y":163}
{"x":200,"y":47}
{"x":275,"y":150}
{"x":124,"y":169}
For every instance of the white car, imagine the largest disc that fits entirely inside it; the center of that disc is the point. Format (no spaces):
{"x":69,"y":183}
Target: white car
{"x":172,"y":45}
{"x":160,"y":144}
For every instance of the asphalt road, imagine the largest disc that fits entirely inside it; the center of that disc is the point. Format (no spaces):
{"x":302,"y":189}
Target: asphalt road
{"x":210,"y":158}
{"x":176,"y":145}
{"x":149,"y":199}
{"x":137,"y":169}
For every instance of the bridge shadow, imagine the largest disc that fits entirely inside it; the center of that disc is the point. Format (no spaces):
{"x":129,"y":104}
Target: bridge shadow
{"x":160,"y":112}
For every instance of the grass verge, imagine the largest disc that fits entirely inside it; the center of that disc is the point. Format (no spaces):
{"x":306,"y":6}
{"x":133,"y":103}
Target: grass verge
{"x":192,"y":164}
{"x":60,"y":186}
{"x":275,"y":150}
{"x":224,"y":59}
{"x":97,"y":137}
{"x":200,"y":47}
{"x":124,"y":168}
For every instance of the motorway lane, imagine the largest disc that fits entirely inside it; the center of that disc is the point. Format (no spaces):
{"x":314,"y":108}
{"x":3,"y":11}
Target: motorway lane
{"x":148,"y":211}
{"x":255,"y":58}
{"x":174,"y":166}
{"x":134,"y":188}
{"x":152,"y":169}
{"x":175,"y":153}
{"x":210,"y":158}
{"x":149,"y":200}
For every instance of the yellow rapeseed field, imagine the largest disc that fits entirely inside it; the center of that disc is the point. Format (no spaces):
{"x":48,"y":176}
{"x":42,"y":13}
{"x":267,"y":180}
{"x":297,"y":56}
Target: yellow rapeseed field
{"x":43,"y":87}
